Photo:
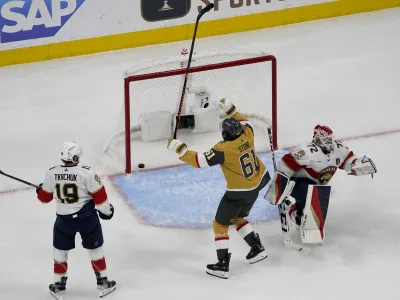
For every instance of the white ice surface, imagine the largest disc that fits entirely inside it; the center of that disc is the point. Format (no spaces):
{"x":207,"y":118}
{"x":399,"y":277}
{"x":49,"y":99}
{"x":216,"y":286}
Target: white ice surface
{"x":343,"y":72}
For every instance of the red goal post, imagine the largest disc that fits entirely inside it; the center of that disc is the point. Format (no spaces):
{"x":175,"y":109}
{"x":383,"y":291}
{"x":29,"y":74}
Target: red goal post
{"x":129,"y":89}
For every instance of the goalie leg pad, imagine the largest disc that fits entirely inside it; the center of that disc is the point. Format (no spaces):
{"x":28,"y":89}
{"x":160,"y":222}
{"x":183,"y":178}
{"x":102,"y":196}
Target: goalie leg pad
{"x":280,"y":188}
{"x":314,"y":214}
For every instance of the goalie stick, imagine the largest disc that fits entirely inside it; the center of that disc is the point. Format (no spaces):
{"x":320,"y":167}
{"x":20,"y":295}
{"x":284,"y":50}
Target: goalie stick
{"x":18,"y":179}
{"x":283,"y":212}
{"x":201,"y":13}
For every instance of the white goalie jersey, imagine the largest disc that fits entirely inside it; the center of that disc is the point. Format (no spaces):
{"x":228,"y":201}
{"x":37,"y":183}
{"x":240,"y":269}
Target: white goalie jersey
{"x":312,"y":163}
{"x":73,"y":187}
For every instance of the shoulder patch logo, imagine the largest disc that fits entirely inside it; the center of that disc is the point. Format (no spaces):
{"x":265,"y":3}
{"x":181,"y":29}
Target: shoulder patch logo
{"x":299,"y":154}
{"x":97,"y":178}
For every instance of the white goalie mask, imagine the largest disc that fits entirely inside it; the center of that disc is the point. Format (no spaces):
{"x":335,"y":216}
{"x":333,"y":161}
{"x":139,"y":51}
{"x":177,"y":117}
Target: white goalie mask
{"x":323,"y":137}
{"x":71,"y":152}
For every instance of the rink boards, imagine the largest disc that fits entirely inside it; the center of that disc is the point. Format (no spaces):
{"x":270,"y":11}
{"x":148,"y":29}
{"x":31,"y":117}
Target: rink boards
{"x":41,"y":30}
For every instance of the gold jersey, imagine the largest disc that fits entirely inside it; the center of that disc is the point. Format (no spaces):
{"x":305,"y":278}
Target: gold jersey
{"x":242,"y":168}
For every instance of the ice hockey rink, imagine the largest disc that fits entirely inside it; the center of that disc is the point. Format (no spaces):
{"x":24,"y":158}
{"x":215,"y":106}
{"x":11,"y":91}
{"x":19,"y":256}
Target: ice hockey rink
{"x":342,"y":72}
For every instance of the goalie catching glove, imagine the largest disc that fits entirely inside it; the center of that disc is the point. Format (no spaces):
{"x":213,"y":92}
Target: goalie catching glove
{"x":177,"y":146}
{"x":363,"y":166}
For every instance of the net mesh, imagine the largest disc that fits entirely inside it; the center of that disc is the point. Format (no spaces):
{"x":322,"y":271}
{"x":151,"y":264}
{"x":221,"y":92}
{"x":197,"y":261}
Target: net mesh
{"x":248,"y":86}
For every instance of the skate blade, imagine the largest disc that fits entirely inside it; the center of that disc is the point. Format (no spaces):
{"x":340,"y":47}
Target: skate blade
{"x":105,"y":292}
{"x":261,"y":256}
{"x":219,"y":274}
{"x":58,"y":296}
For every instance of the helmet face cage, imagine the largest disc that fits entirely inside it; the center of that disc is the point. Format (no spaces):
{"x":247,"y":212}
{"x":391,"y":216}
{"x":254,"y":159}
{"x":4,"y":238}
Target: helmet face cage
{"x":323,"y":137}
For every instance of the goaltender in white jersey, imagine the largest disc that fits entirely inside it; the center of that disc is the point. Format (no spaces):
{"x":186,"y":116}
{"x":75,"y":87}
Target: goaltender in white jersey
{"x":312,"y":163}
{"x":300,"y":186}
{"x":74,"y":186}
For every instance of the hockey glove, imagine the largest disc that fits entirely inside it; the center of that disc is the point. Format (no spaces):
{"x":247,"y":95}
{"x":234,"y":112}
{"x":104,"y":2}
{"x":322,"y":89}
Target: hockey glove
{"x":107,"y":217}
{"x":177,"y":146}
{"x":363,"y":166}
{"x":227,"y":107}
{"x":38,"y":188}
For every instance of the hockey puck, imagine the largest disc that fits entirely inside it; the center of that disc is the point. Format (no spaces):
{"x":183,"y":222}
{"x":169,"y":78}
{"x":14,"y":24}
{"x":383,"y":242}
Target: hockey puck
{"x":141,"y":166}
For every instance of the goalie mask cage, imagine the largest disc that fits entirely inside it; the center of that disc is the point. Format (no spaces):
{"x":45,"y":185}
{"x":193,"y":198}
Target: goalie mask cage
{"x":247,"y":79}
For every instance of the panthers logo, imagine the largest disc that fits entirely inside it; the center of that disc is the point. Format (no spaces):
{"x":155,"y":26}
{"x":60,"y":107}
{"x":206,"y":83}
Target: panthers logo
{"x":326,"y":175}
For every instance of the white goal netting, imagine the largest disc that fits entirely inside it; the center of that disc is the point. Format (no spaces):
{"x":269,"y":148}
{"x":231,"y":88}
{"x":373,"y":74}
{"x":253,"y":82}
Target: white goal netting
{"x":244,"y":78}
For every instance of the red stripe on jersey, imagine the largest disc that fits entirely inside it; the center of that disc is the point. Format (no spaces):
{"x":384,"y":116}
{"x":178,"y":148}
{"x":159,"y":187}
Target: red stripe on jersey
{"x":44,"y":196}
{"x":291,"y":162}
{"x":241,"y":226}
{"x":60,"y":267}
{"x":347,"y":158}
{"x":311,"y":172}
{"x":100,"y":196}
{"x":197,"y":160}
{"x":222,"y":238}
{"x":99,"y":265}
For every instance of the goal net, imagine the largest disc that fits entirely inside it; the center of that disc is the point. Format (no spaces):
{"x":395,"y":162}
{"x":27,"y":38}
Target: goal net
{"x":247,"y":79}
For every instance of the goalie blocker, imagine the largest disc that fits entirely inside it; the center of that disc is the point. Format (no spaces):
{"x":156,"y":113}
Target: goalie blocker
{"x":280,"y":189}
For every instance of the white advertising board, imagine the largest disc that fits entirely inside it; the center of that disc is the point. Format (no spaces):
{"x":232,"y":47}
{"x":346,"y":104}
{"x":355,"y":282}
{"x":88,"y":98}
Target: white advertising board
{"x":37,"y":22}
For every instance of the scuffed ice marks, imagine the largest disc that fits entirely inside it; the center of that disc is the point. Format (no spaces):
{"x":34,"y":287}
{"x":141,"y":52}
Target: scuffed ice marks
{"x":185,"y":197}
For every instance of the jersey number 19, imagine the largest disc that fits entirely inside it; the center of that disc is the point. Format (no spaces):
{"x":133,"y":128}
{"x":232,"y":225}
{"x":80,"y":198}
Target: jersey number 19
{"x":67,"y":192}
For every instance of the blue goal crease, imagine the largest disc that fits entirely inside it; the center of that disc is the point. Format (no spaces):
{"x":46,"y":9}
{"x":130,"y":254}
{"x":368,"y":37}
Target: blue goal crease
{"x":186,"y":197}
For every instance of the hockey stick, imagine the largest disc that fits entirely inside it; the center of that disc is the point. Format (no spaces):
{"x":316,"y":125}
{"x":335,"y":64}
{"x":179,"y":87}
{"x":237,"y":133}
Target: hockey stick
{"x":272,"y":147}
{"x":285,"y":231}
{"x":283,"y":212}
{"x":201,"y":13}
{"x":17,"y":179}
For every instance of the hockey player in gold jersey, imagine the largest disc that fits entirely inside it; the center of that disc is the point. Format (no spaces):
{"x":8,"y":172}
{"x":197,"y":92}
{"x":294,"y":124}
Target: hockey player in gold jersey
{"x":245,"y":176}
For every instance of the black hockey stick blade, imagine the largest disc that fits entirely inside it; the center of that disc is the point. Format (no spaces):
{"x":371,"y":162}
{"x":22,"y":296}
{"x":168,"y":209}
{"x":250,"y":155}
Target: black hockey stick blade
{"x":206,"y":9}
{"x":18,"y":179}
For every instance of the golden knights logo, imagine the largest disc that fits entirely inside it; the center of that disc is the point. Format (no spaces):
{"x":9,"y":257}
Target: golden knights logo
{"x":326,"y":175}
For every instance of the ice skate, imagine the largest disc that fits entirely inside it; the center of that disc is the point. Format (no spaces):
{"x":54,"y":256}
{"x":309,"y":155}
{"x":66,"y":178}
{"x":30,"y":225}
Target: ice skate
{"x":257,"y":251}
{"x":105,"y":286}
{"x":220,"y":269}
{"x":57,"y":290}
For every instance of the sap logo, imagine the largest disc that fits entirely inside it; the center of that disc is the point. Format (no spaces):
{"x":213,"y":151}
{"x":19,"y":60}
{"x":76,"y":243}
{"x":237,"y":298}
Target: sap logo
{"x":32,"y":19}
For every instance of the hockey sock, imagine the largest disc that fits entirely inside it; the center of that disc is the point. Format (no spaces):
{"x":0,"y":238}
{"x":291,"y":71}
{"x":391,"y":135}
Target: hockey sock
{"x":221,"y":239}
{"x":245,"y":230}
{"x":60,"y":264}
{"x":98,"y":261}
{"x":222,"y":245}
